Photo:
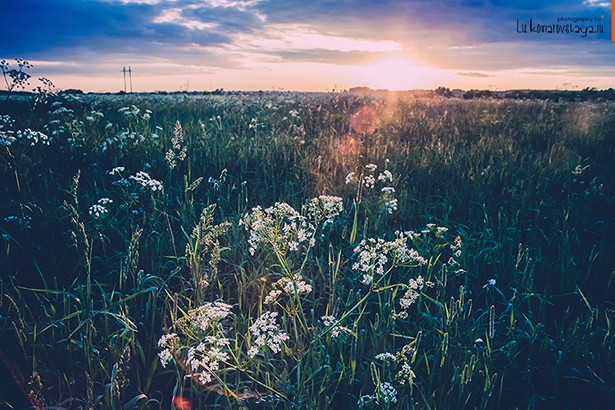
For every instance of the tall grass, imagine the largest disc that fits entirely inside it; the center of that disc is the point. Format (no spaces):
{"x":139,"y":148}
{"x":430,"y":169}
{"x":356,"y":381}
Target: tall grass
{"x":519,"y":315}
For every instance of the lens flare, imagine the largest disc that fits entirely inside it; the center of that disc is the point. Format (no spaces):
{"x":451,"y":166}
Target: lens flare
{"x":365,"y":120}
{"x":181,"y":403}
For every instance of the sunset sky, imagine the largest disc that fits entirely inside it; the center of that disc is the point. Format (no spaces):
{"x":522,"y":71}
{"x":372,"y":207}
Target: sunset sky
{"x":305,"y":45}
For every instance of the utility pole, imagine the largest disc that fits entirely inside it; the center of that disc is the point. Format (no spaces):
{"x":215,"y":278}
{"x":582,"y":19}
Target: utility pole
{"x":124,"y":70}
{"x":130,"y":76}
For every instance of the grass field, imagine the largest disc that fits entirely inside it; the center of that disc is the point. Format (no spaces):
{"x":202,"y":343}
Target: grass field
{"x":288,"y":250}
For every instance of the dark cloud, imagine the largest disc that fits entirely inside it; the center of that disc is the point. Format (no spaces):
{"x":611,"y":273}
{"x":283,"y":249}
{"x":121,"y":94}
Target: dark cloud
{"x":39,"y":26}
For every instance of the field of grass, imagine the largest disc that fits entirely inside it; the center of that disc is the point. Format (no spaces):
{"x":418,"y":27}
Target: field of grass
{"x":288,"y":250}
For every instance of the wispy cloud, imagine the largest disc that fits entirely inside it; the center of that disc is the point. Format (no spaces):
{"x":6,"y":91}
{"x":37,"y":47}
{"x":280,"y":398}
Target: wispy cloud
{"x":474,"y":74}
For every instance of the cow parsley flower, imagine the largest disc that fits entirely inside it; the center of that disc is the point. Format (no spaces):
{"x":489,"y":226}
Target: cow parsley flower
{"x":388,"y":392}
{"x":405,"y":375}
{"x":272,"y":296}
{"x":386,"y":356}
{"x":267,"y":332}
{"x":143,"y":179}
{"x":165,"y":357}
{"x":351,"y":178}
{"x":414,"y":288}
{"x":376,"y":254}
{"x":294,"y":285}
{"x":325,"y":207}
{"x":279,"y":227}
{"x":99,"y":210}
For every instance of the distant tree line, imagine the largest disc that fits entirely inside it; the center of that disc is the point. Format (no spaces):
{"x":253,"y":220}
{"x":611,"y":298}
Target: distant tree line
{"x":581,"y":95}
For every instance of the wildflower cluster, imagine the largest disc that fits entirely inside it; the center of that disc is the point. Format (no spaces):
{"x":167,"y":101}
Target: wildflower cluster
{"x":434,"y":231}
{"x":132,"y":111}
{"x":456,"y":247}
{"x":99,"y":209}
{"x":413,"y":290}
{"x":337,"y":330}
{"x":272,"y":297}
{"x":281,"y":227}
{"x":143,"y":179}
{"x":293,"y":285}
{"x":204,"y":359}
{"x":375,"y":254}
{"x":369,"y":180}
{"x":325,"y":207}
{"x":386,"y":356}
{"x":206,"y":316}
{"x":8,"y":136}
{"x":205,"y":347}
{"x":267,"y":333}
{"x":33,"y":137}
{"x":170,"y":342}
{"x":177,"y":152}
{"x":386,"y":392}
{"x":351,"y":178}
{"x":404,"y":374}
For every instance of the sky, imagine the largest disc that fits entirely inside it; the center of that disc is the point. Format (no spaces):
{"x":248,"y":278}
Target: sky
{"x":305,"y":45}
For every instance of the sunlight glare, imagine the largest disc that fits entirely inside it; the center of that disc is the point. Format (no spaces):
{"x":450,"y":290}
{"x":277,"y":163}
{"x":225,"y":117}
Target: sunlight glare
{"x":394,"y":73}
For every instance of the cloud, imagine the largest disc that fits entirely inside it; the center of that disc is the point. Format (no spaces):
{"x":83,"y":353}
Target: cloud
{"x":328,"y":56}
{"x":468,"y":37}
{"x":474,"y":74}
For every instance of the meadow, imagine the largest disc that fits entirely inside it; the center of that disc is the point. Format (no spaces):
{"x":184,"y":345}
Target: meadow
{"x":278,"y":250}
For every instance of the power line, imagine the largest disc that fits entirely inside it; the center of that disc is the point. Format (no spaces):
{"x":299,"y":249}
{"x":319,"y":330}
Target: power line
{"x":130,"y":76}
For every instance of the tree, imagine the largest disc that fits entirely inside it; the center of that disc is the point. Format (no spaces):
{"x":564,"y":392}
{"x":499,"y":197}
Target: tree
{"x":443,"y":91}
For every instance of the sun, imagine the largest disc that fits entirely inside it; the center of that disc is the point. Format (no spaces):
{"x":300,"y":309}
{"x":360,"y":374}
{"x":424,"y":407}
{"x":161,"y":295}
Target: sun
{"x":394,"y":73}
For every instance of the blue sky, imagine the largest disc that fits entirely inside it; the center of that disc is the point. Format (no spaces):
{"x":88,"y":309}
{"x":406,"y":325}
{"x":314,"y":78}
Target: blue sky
{"x":308,"y":45}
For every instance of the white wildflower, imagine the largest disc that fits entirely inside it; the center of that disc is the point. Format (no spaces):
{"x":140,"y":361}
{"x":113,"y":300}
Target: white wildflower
{"x":386,"y":176}
{"x":267,"y":332}
{"x":405,"y":375}
{"x":143,"y":179}
{"x":390,"y":205}
{"x":325,"y":207}
{"x":351,"y":178}
{"x":369,"y":181}
{"x":388,"y":392}
{"x":386,"y":356}
{"x":165,"y":357}
{"x":116,"y":170}
{"x":293,"y":285}
{"x":490,"y":282}
{"x":272,"y":296}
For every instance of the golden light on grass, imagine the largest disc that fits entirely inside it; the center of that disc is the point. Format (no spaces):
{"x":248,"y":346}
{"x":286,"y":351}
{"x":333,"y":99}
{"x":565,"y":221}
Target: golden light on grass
{"x":349,"y":145}
{"x":365,"y":120}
